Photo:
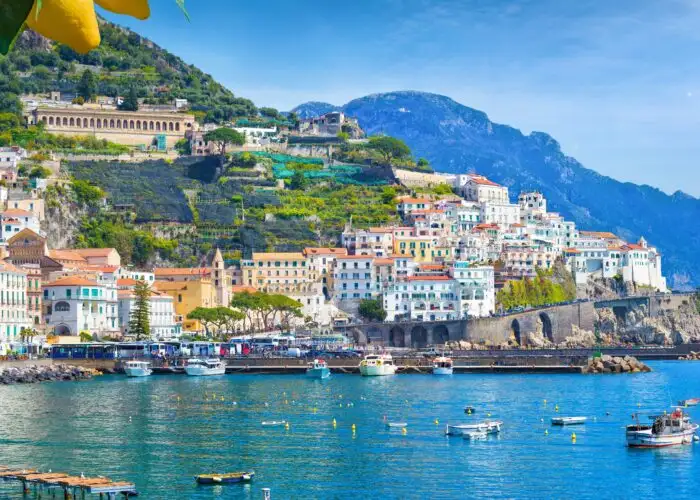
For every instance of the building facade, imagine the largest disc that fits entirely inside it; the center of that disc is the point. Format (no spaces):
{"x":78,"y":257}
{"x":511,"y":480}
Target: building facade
{"x":13,"y":304}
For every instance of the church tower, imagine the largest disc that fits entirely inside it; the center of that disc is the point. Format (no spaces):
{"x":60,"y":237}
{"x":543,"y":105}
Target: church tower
{"x":222,"y":281}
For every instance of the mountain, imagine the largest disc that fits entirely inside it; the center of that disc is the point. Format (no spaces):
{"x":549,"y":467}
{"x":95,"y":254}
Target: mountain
{"x":314,"y":108}
{"x":456,"y":138}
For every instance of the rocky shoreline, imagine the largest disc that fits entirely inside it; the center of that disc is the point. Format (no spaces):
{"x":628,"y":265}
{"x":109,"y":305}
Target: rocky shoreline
{"x":32,"y":374}
{"x":615,"y":364}
{"x":693,"y":356}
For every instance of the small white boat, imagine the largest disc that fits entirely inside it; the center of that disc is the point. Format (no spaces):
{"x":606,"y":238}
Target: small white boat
{"x":568,"y":420}
{"x":318,"y":368}
{"x":274,"y":423}
{"x":443,"y":366}
{"x":689,"y":402}
{"x":201,"y":367}
{"x":475,"y":435}
{"x":488,"y":426}
{"x":377,"y":365}
{"x":396,"y":425}
{"x":667,"y":430}
{"x":137,"y":369}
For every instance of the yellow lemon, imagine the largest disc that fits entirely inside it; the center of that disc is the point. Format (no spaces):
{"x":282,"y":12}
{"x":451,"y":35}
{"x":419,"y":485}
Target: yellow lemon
{"x":72,"y":22}
{"x":135,"y":8}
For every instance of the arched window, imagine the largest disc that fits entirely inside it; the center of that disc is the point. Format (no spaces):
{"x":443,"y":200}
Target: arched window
{"x":165,"y":127}
{"x":177,"y":127}
{"x":43,"y":119}
{"x":62,"y":307}
{"x":71,"y":122}
{"x":131,"y":124}
{"x":138,"y":124}
{"x":99,"y":123}
{"x":119,"y":124}
{"x":65,"y":121}
{"x":150,"y":126}
{"x":111,"y":123}
{"x":170,"y":126}
{"x":92,"y":123}
{"x":50,"y":120}
{"x":158,"y":126}
{"x":85,"y":123}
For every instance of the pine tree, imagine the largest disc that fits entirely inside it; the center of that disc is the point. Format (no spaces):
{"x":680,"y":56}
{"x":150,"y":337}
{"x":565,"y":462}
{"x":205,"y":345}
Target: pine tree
{"x":139,"y":321}
{"x":131,"y":102}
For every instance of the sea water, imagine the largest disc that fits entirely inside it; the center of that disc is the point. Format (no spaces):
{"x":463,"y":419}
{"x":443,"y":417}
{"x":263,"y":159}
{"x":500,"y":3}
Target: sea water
{"x":161,"y":431}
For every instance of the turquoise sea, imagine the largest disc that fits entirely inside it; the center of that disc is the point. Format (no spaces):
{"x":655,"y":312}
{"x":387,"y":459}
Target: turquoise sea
{"x":161,"y":431}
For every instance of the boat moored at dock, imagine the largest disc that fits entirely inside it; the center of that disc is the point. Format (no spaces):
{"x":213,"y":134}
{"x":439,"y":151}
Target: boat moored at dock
{"x":488,"y":426}
{"x":318,"y":368}
{"x":201,"y":367}
{"x":569,"y":420}
{"x":670,"y":429}
{"x":376,"y":365}
{"x":443,"y":366}
{"x":137,"y":368}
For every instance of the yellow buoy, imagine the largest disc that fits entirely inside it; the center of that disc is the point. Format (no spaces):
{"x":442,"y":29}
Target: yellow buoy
{"x":556,"y":408}
{"x":437,"y":421}
{"x":488,"y":414}
{"x":469,"y":411}
{"x":222,"y":398}
{"x":353,"y":428}
{"x":286,"y":402}
{"x":286,"y":426}
{"x":334,"y":423}
{"x":573,"y":437}
{"x":546,"y":432}
{"x":403,"y":430}
{"x":545,"y":402}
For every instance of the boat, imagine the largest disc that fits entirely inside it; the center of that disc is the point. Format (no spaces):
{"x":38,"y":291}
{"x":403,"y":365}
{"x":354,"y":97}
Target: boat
{"x":568,"y":420}
{"x":274,"y":423}
{"x":443,"y":366}
{"x":228,"y":478}
{"x":488,"y":426}
{"x":689,"y":402}
{"x":137,"y":369}
{"x":396,"y":425}
{"x":375,"y":365}
{"x":475,"y":435}
{"x":667,"y":430}
{"x":200,"y":367}
{"x":318,"y":368}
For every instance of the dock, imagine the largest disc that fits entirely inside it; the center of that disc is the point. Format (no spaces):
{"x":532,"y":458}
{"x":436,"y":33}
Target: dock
{"x":70,"y":487}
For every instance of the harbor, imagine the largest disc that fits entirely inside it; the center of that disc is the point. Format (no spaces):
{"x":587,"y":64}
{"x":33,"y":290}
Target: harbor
{"x":331,"y":435}
{"x":36,"y":483}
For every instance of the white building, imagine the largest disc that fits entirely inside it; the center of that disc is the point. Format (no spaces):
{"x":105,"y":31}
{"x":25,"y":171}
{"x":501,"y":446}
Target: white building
{"x":75,"y":304}
{"x":353,"y":277}
{"x":13,"y":305}
{"x":11,"y":156}
{"x":377,"y":241}
{"x":161,"y":313}
{"x":423,"y":298}
{"x":477,"y":289}
{"x":480,"y":189}
{"x":13,"y":221}
{"x":257,"y":136}
{"x":503,"y":214}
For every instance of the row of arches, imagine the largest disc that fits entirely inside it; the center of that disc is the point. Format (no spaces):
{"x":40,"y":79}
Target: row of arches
{"x":547,"y":330}
{"x":111,"y":123}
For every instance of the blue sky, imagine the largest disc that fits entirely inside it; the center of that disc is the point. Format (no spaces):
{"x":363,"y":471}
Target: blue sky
{"x":617,"y":83}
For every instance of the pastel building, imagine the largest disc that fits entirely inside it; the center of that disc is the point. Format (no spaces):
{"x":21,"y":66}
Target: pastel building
{"x":423,"y":298}
{"x":13,"y":304}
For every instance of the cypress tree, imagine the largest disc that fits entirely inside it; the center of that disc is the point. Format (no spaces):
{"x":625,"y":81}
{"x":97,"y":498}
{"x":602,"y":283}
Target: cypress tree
{"x":139,"y":320}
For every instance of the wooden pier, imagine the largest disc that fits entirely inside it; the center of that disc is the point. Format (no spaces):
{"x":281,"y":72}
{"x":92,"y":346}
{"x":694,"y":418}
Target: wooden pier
{"x":49,"y":483}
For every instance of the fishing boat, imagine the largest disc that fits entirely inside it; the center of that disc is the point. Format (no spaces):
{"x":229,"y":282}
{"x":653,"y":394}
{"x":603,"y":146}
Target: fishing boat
{"x":137,"y":369}
{"x":488,"y":426}
{"x":443,"y":366}
{"x":667,"y":430}
{"x":318,"y":368}
{"x":376,"y":365}
{"x":228,"y":478}
{"x":568,"y":420}
{"x":200,"y":367}
{"x":689,"y":402}
{"x":274,"y":423}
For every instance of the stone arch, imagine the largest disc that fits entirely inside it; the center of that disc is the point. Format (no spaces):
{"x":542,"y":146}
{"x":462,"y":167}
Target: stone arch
{"x":111,"y":123}
{"x":85,"y":123}
{"x":71,"y":122}
{"x":374,"y":335}
{"x":515,"y":328}
{"x":547,"y":326}
{"x":65,"y":121}
{"x":50,"y":120}
{"x":62,"y":330}
{"x":131,"y":124}
{"x":164,"y":127}
{"x":151,"y":125}
{"x":620,"y":314}
{"x":157,"y":126}
{"x":177,"y":127}
{"x":170,"y":127}
{"x":440,"y":334}
{"x":99,"y":123}
{"x":43,"y":119}
{"x":419,"y":336}
{"x":358,"y":336}
{"x":397,"y":337}
{"x":92,"y":123}
{"x":138,"y":124}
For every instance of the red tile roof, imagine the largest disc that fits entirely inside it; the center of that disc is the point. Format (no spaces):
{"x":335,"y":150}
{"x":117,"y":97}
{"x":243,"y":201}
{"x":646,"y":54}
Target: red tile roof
{"x":72,"y":281}
{"x":182,"y":271}
{"x":480,"y":179}
{"x":428,"y":278}
{"x":325,"y":251}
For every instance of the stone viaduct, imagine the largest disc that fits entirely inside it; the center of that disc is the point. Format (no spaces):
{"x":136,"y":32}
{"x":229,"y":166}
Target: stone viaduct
{"x":558,"y":323}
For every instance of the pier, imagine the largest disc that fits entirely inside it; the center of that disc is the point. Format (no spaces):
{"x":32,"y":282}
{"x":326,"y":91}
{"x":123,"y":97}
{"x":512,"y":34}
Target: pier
{"x":70,"y":487}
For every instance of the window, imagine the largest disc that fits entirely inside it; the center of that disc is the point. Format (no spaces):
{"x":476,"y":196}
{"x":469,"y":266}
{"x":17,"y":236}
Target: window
{"x":62,"y":307}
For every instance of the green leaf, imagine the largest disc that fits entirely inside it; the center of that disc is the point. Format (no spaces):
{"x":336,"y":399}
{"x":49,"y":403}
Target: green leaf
{"x":13,"y":13}
{"x":181,"y":4}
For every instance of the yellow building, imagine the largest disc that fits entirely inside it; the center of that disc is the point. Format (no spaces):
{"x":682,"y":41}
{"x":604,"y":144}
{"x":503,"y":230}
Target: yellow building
{"x":286,"y":273}
{"x":418,"y":247}
{"x":188,"y":295}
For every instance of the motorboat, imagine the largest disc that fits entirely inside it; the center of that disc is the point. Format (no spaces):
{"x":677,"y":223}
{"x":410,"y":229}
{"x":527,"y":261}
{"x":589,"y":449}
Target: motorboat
{"x":669,"y":429}
{"x":274,"y":423}
{"x":230,"y":477}
{"x":689,"y":402}
{"x":396,"y":425}
{"x":488,"y":426}
{"x":568,"y":420}
{"x":318,"y":368}
{"x":137,"y":368}
{"x":200,"y":367}
{"x":443,"y":366}
{"x":376,"y":365}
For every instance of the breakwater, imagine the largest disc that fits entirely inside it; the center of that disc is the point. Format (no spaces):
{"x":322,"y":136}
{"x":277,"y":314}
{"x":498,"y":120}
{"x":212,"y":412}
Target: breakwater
{"x":30,"y":374}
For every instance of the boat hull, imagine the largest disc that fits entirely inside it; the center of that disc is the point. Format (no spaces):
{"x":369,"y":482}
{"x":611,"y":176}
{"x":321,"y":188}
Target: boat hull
{"x":377,"y":371}
{"x":225,"y":478}
{"x":461,"y":430}
{"x":442,"y":371}
{"x":137,"y":372}
{"x":202,"y":371}
{"x":568,"y":420}
{"x":319,"y":373}
{"x":645,"y":439}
